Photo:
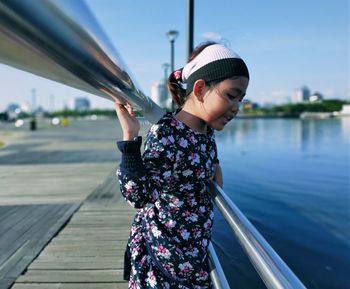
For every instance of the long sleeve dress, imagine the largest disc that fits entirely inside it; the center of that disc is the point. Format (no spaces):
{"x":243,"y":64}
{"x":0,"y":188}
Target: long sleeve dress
{"x":169,"y":236}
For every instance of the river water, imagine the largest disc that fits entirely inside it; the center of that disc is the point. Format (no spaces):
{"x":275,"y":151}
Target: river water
{"x":290,"y":177}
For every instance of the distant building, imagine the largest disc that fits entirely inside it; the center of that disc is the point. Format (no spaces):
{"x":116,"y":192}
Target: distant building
{"x":301,"y":94}
{"x":315,"y":97}
{"x":25,"y":107}
{"x":13,"y":107}
{"x":79,"y":104}
{"x":159,"y":93}
{"x":13,"y":110}
{"x":345,"y":111}
{"x":156,"y":90}
{"x":248,"y":105}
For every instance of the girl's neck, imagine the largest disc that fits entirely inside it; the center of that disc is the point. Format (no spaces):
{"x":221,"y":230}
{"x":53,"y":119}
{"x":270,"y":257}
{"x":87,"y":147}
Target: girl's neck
{"x":192,"y":121}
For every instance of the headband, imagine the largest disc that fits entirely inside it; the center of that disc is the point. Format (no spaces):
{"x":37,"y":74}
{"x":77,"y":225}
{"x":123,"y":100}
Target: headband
{"x":215,"y":62}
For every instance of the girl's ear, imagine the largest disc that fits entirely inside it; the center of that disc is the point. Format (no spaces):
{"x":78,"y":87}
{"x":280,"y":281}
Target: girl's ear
{"x":199,"y":89}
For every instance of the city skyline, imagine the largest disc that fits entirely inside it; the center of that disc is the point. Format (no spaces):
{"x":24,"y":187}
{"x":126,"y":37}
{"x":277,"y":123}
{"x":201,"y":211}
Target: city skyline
{"x":285,"y":45}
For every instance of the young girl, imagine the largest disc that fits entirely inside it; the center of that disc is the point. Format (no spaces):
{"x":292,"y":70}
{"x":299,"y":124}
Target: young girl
{"x":168,"y":244}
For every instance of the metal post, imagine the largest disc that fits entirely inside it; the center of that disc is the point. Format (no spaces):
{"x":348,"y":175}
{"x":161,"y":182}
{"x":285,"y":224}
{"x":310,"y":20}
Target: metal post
{"x":164,"y":99}
{"x":172,"y":35}
{"x":190,"y":13}
{"x":33,"y":100}
{"x":172,"y":67}
{"x":32,"y":123}
{"x":172,"y":55}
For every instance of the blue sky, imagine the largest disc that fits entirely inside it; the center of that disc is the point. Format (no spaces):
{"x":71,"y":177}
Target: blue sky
{"x":286,"y":44}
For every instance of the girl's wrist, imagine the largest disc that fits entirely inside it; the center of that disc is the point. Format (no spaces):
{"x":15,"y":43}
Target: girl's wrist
{"x":129,"y":136}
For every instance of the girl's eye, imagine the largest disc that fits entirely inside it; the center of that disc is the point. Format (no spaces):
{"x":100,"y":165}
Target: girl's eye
{"x":232,"y":97}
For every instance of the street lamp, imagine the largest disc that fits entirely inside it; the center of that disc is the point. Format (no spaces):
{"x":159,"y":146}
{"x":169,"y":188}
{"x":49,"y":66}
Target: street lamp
{"x":172,"y":35}
{"x":165,"y":66}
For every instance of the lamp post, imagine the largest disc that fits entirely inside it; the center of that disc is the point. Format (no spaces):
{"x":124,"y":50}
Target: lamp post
{"x":190,"y":16}
{"x":172,"y":35}
{"x":32,"y":123}
{"x":165,"y":66}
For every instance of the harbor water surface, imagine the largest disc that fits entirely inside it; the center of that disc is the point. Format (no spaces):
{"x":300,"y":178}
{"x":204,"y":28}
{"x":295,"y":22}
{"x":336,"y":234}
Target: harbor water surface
{"x":290,"y":177}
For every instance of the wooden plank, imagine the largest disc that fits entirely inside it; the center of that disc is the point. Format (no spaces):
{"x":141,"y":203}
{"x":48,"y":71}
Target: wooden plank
{"x":21,"y":233}
{"x":83,"y":253}
{"x":106,"y":191}
{"x":115,"y":212}
{"x":108,"y":222}
{"x":6,"y":282}
{"x":102,"y":217}
{"x":89,"y":237}
{"x":71,"y":286}
{"x":79,"y":233}
{"x":21,"y":213}
{"x":37,"y":286}
{"x":12,"y":242}
{"x":56,"y":243}
{"x":79,"y":259}
{"x":12,"y":266}
{"x":73,"y":264}
{"x":66,"y":276}
{"x":45,"y":224}
{"x":99,"y":207}
{"x":90,"y":248}
{"x":6,"y":213}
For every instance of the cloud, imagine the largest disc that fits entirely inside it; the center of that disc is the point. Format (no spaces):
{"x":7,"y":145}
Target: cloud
{"x":212,"y":36}
{"x":280,"y":93}
{"x":329,"y":93}
{"x":277,"y":96}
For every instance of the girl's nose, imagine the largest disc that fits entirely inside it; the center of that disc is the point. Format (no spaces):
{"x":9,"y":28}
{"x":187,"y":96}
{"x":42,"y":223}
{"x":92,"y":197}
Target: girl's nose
{"x":235,"y":107}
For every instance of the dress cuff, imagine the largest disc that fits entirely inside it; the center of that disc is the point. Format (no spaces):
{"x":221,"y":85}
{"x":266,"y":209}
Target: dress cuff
{"x":131,"y":153}
{"x":130,"y":146}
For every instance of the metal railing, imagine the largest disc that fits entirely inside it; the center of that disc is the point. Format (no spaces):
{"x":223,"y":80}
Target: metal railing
{"x":271,"y":268}
{"x":217,"y":275}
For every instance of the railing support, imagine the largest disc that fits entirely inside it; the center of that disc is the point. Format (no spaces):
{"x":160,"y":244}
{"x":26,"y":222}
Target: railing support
{"x":271,"y":268}
{"x":217,"y":275}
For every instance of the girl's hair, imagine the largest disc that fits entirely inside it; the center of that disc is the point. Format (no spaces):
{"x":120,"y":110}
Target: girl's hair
{"x":178,"y":93}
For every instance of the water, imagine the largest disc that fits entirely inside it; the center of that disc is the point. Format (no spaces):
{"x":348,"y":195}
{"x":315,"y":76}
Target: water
{"x":290,"y":177}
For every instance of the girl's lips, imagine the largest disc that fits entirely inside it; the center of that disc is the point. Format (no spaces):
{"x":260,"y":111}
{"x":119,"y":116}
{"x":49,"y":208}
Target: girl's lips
{"x":228,"y":119}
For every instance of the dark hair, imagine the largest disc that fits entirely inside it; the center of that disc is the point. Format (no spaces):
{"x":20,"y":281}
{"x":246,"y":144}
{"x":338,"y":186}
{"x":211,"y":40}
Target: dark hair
{"x":178,"y":93}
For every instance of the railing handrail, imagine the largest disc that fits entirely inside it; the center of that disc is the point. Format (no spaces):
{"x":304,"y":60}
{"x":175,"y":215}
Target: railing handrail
{"x":271,"y":268}
{"x":217,"y":274}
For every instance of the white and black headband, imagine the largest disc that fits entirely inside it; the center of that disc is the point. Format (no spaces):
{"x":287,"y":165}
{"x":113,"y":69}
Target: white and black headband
{"x":215,"y":62}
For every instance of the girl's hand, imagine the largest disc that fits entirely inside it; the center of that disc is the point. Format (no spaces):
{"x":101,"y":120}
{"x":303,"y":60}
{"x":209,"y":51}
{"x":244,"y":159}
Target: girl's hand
{"x":218,"y":176}
{"x":130,"y":125}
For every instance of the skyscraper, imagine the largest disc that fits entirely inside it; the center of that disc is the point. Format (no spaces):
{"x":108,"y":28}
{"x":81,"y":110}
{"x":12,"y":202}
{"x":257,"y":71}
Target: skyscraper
{"x":301,"y":94}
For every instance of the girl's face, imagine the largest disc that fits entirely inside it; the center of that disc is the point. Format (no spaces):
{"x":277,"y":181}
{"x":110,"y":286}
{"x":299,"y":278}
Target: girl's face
{"x":221,"y":102}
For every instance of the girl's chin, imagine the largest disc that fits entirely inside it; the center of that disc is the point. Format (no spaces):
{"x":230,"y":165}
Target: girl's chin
{"x":218,"y":126}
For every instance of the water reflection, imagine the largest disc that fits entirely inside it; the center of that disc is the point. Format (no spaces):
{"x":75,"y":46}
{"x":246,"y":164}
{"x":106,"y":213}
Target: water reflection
{"x":297,"y":134}
{"x":291,"y":179}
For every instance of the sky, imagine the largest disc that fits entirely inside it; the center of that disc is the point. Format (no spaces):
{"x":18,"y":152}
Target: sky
{"x":286,"y":44}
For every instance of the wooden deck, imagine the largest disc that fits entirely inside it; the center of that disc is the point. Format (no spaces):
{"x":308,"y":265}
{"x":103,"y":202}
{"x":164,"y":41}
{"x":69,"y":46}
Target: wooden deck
{"x":24,"y":231}
{"x":62,"y":223}
{"x":89,"y":251}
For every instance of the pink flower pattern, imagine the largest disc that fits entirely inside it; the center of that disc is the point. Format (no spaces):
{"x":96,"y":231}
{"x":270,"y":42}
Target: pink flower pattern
{"x":171,"y":197}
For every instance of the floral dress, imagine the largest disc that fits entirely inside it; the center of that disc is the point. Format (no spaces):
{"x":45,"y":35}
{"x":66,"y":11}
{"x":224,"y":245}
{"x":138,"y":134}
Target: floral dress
{"x":169,"y":237}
